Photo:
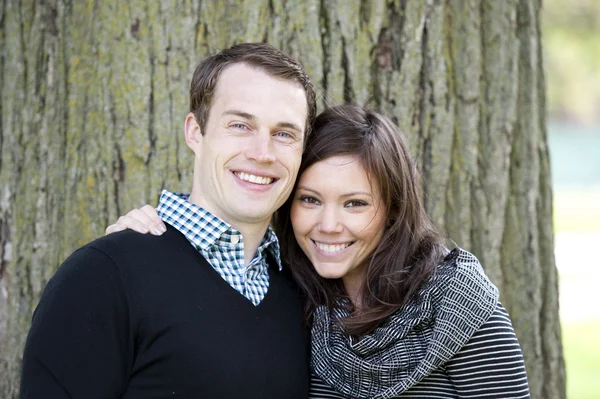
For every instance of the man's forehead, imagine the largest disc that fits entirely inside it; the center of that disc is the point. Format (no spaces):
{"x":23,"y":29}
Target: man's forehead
{"x":245,"y":75}
{"x":245,"y":89}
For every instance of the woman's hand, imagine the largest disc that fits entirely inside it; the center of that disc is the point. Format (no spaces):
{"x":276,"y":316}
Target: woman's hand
{"x":143,"y":220}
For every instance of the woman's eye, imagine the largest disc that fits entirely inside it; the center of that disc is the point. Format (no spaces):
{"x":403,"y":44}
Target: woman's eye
{"x":309,"y":200}
{"x":355,"y":203}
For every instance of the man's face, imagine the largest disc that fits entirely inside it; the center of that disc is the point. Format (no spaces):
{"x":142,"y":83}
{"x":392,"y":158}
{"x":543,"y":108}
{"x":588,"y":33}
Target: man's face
{"x":248,"y":158}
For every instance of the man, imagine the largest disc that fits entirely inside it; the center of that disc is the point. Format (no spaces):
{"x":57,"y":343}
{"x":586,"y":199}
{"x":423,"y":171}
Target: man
{"x":205,"y":310}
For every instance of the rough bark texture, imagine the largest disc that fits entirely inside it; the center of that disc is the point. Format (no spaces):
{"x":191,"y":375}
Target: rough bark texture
{"x":94,"y":93}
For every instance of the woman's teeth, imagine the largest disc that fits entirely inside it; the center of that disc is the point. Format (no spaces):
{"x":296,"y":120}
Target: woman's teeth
{"x":331,"y":248}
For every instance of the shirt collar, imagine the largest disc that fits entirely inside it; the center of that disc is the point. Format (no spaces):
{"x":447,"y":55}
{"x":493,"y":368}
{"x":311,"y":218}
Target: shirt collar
{"x":202,"y":228}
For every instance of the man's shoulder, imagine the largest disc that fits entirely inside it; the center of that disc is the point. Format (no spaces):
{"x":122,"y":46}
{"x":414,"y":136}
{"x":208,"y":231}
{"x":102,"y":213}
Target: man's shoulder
{"x":128,"y":250}
{"x":93,"y":265}
{"x":104,"y":250}
{"x":129,"y":257}
{"x":129,"y":241}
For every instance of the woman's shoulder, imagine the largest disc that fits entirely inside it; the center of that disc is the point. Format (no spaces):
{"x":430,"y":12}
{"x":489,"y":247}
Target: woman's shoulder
{"x":460,"y":269}
{"x":458,"y":294}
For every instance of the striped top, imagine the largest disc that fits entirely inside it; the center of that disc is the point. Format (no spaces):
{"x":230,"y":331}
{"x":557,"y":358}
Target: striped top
{"x":453,"y":339}
{"x":489,"y":366}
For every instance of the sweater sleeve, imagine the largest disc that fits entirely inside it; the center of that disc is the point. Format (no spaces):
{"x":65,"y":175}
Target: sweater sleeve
{"x":79,"y":344}
{"x":491,"y":363}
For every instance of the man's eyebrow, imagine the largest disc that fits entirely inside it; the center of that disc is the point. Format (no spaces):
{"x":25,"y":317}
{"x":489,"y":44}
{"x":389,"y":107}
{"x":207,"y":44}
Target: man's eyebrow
{"x":242,"y":114}
{"x":290,"y":125}
{"x":250,"y":117}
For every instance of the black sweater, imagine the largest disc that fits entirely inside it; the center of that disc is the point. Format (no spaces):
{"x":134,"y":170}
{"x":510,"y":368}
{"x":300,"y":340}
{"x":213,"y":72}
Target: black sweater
{"x":139,"y":316}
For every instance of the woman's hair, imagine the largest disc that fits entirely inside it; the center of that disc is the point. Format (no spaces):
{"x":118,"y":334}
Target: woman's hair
{"x":410,"y":247}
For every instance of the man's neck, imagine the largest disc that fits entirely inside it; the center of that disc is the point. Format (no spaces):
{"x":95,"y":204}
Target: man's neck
{"x":253,"y":233}
{"x":253,"y":236}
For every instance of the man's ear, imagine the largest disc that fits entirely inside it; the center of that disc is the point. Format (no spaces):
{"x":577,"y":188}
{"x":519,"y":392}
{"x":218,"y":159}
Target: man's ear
{"x":193,"y":133}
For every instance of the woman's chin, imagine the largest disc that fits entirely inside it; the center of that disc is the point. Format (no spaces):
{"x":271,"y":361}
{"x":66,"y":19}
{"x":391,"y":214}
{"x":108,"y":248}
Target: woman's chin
{"x":329,"y":274}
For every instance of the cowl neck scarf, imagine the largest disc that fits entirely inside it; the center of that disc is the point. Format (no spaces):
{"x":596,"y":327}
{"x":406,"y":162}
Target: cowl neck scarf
{"x":419,"y":338}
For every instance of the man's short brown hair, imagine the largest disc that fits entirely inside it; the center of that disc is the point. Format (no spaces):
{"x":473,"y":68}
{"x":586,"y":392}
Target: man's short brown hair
{"x":259,"y":55}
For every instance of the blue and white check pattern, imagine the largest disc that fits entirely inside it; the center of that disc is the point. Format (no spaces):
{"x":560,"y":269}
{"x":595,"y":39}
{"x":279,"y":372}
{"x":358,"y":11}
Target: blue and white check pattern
{"x":221,"y":245}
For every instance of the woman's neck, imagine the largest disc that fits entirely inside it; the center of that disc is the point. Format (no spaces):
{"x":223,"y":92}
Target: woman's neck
{"x":352,"y":284}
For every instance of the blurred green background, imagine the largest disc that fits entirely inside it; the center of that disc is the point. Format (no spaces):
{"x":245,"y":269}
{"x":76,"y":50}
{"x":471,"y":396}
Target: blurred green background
{"x":571,"y":34}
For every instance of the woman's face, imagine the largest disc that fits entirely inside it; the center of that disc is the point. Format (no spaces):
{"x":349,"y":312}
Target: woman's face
{"x":338,"y":217}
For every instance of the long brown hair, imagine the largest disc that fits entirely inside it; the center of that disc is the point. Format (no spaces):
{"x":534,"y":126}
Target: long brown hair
{"x":410,"y":247}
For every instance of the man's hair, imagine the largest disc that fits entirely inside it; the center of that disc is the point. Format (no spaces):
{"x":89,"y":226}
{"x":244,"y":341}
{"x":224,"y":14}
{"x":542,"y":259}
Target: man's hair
{"x":260,"y":55}
{"x":410,"y":247}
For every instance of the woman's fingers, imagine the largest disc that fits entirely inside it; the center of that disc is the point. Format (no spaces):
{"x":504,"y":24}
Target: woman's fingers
{"x":157,"y":227}
{"x":143,"y":220}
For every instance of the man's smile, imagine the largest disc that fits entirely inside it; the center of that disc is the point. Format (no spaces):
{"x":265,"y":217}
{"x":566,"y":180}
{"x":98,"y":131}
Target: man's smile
{"x":252,"y":178}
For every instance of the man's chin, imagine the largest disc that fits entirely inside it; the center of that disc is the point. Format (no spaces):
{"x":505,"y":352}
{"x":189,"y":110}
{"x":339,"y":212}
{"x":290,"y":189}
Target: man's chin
{"x":250,"y":215}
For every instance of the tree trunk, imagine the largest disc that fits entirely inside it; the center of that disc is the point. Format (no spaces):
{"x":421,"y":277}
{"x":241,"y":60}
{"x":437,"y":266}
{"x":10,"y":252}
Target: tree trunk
{"x":94,"y":94}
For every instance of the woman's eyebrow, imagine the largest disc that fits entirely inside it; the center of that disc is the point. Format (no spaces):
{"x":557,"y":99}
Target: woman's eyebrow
{"x":351,"y":194}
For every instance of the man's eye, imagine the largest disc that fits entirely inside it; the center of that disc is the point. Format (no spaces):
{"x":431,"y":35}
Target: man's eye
{"x":239,"y":126}
{"x":285,"y":135}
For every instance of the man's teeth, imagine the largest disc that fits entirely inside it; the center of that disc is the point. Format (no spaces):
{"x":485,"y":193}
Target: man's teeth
{"x":331,"y":248}
{"x":254,"y":178}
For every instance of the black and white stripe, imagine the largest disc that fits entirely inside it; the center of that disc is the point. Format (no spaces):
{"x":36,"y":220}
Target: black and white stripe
{"x":453,"y":339}
{"x":489,"y":366}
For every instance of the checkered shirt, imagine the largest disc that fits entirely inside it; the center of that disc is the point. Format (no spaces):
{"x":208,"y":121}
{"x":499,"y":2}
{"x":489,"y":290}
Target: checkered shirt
{"x":221,"y":245}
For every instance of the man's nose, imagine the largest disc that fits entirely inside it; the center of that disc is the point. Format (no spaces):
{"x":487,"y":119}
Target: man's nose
{"x":261,"y":148}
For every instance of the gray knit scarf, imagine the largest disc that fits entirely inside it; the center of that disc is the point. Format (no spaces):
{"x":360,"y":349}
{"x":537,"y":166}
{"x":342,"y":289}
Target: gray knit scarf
{"x":416,"y":340}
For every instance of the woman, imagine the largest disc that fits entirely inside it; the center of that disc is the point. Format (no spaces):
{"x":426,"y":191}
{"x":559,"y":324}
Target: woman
{"x":393,"y":313}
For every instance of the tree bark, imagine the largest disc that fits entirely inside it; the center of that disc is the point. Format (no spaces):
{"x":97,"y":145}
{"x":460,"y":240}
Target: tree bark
{"x":94,"y":94}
